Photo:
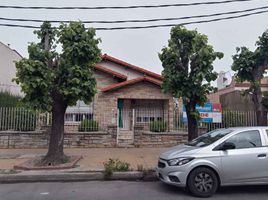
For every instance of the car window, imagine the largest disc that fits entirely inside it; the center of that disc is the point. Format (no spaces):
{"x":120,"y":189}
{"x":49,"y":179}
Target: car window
{"x":246,"y":139}
{"x":209,"y":138}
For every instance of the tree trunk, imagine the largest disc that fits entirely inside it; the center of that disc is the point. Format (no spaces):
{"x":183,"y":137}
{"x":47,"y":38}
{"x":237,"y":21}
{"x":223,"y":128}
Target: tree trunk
{"x":261,"y":114}
{"x":55,"y":153}
{"x":192,"y":121}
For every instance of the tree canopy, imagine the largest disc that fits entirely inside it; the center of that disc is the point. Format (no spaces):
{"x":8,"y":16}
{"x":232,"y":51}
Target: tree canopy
{"x":188,"y":70}
{"x":68,"y":72}
{"x":250,"y":66}
{"x":58,"y":74}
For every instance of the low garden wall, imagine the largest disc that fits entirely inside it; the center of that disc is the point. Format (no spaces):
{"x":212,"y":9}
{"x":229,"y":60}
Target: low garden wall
{"x":39,"y":139}
{"x":158,"y":139}
{"x":18,"y":139}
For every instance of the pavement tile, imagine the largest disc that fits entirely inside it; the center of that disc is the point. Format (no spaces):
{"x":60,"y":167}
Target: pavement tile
{"x":93,"y":158}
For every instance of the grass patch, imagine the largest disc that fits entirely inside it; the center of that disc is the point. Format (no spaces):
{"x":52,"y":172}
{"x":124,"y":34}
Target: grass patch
{"x":8,"y":171}
{"x":115,"y":165}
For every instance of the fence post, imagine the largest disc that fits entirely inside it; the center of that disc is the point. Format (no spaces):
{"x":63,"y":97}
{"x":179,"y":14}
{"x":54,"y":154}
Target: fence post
{"x":117,"y":123}
{"x":133,"y":123}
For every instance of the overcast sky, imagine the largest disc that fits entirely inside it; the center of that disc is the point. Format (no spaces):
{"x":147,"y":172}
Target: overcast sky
{"x":141,"y":47}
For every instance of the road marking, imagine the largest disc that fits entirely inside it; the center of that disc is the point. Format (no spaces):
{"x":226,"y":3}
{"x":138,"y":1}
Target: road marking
{"x":44,"y":193}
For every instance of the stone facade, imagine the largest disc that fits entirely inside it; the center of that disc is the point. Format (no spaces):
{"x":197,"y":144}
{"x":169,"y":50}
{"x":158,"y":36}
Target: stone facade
{"x":104,"y":79}
{"x":105,"y":105}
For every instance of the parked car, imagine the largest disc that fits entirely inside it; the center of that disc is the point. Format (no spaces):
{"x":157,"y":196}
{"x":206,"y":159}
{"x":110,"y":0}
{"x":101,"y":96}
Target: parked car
{"x":223,"y":157}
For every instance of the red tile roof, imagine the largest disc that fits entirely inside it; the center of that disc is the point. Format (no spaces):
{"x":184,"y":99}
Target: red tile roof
{"x":109,"y":71}
{"x":131,"y":82}
{"x":133,"y":67}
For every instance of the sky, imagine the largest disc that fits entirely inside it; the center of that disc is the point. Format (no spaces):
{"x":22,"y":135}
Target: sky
{"x":141,"y":47}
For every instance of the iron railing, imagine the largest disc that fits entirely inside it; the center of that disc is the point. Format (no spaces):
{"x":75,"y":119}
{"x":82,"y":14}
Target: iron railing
{"x":155,"y":120}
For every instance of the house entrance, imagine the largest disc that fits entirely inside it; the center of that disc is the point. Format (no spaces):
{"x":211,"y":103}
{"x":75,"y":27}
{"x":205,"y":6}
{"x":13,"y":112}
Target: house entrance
{"x":124,"y":114}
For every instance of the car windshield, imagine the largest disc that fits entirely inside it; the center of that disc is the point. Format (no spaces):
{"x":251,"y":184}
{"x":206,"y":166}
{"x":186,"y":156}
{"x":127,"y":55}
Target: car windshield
{"x":209,"y":138}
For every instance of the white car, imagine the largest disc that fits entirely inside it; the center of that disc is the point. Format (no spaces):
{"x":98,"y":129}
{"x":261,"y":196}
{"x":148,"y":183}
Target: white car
{"x":223,"y":157}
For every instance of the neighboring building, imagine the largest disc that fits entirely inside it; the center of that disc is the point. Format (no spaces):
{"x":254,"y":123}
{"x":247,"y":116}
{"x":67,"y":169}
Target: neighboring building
{"x":8,"y":57}
{"x":223,"y":80}
{"x":231,"y":96}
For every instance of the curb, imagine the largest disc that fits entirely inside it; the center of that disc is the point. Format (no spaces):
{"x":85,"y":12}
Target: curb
{"x":33,"y":176}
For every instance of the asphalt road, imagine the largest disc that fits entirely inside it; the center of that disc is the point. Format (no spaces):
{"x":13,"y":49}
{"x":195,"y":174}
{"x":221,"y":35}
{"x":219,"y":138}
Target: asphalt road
{"x":117,"y":190}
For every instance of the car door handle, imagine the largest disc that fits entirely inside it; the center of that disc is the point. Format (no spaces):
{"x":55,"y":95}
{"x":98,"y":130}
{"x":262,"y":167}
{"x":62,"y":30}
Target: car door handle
{"x":263,"y":155}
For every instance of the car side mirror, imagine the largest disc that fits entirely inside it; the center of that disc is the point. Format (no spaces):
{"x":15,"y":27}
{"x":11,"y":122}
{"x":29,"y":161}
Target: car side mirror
{"x":227,"y":145}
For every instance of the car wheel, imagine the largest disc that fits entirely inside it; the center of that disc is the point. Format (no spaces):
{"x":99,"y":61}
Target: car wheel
{"x":202,"y":182}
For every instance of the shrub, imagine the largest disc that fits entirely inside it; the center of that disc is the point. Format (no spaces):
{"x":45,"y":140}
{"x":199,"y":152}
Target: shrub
{"x":88,"y":125}
{"x":158,"y":126}
{"x":8,"y":100}
{"x":115,"y":166}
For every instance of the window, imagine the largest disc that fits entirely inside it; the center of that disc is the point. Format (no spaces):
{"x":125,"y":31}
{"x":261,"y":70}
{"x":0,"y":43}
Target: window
{"x":209,"y":138}
{"x":246,"y":139}
{"x":149,"y":110}
{"x":77,"y":117}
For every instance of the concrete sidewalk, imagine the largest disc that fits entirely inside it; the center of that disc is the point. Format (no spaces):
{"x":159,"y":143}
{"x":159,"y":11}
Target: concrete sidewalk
{"x":93,"y":158}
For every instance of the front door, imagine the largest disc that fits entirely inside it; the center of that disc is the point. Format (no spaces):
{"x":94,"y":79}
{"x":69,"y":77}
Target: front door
{"x":247,"y":163}
{"x":124,"y":115}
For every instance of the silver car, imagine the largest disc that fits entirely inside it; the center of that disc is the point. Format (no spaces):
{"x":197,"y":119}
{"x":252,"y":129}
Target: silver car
{"x":223,"y":157}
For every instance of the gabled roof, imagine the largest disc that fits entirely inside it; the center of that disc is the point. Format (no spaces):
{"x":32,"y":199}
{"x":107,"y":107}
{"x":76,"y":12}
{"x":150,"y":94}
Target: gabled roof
{"x":109,"y":71}
{"x":131,"y":82}
{"x":133,"y":67}
{"x":8,"y":47}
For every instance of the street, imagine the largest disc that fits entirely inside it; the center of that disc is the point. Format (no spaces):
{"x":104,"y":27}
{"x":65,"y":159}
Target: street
{"x":102,"y":190}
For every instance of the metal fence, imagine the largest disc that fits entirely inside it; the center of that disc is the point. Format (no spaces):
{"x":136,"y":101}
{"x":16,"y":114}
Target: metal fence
{"x":21,"y":119}
{"x":230,"y":118}
{"x":155,"y":120}
{"x":82,"y":122}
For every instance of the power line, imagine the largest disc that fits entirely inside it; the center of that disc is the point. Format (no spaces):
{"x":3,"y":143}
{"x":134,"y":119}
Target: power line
{"x":153,"y":26}
{"x":185,"y":23}
{"x":137,"y":20}
{"x":124,"y":7}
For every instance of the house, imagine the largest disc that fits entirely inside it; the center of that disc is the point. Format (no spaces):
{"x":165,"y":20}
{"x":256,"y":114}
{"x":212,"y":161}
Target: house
{"x":231,"y":96}
{"x":129,"y":95}
{"x":8,"y":57}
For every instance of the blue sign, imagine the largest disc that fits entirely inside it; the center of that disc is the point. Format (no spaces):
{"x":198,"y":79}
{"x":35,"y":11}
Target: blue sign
{"x":207,"y":114}
{"x":206,"y":108}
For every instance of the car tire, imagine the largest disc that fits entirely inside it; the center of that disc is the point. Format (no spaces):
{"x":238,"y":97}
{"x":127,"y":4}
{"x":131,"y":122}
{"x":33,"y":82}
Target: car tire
{"x":202,"y":182}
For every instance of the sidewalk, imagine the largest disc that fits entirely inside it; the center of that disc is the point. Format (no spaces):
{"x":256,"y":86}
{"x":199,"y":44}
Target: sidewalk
{"x":93,"y":158}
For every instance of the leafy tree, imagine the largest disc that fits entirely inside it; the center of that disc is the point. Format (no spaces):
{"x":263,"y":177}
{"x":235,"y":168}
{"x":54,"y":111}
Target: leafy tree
{"x":53,"y":80}
{"x":188,"y":71}
{"x":265,"y":100}
{"x":250,"y":66}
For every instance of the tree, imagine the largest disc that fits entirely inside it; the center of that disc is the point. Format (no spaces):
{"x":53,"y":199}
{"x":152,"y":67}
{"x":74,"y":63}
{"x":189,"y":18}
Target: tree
{"x":188,"y":71}
{"x":52,"y":81}
{"x":250,"y":66}
{"x":265,"y":99}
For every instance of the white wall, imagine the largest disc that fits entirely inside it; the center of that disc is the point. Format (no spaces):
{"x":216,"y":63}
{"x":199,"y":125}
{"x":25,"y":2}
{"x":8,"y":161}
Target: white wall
{"x":8,"y":69}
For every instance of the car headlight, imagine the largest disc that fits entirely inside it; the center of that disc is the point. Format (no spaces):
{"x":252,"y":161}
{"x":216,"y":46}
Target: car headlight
{"x":179,"y":161}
